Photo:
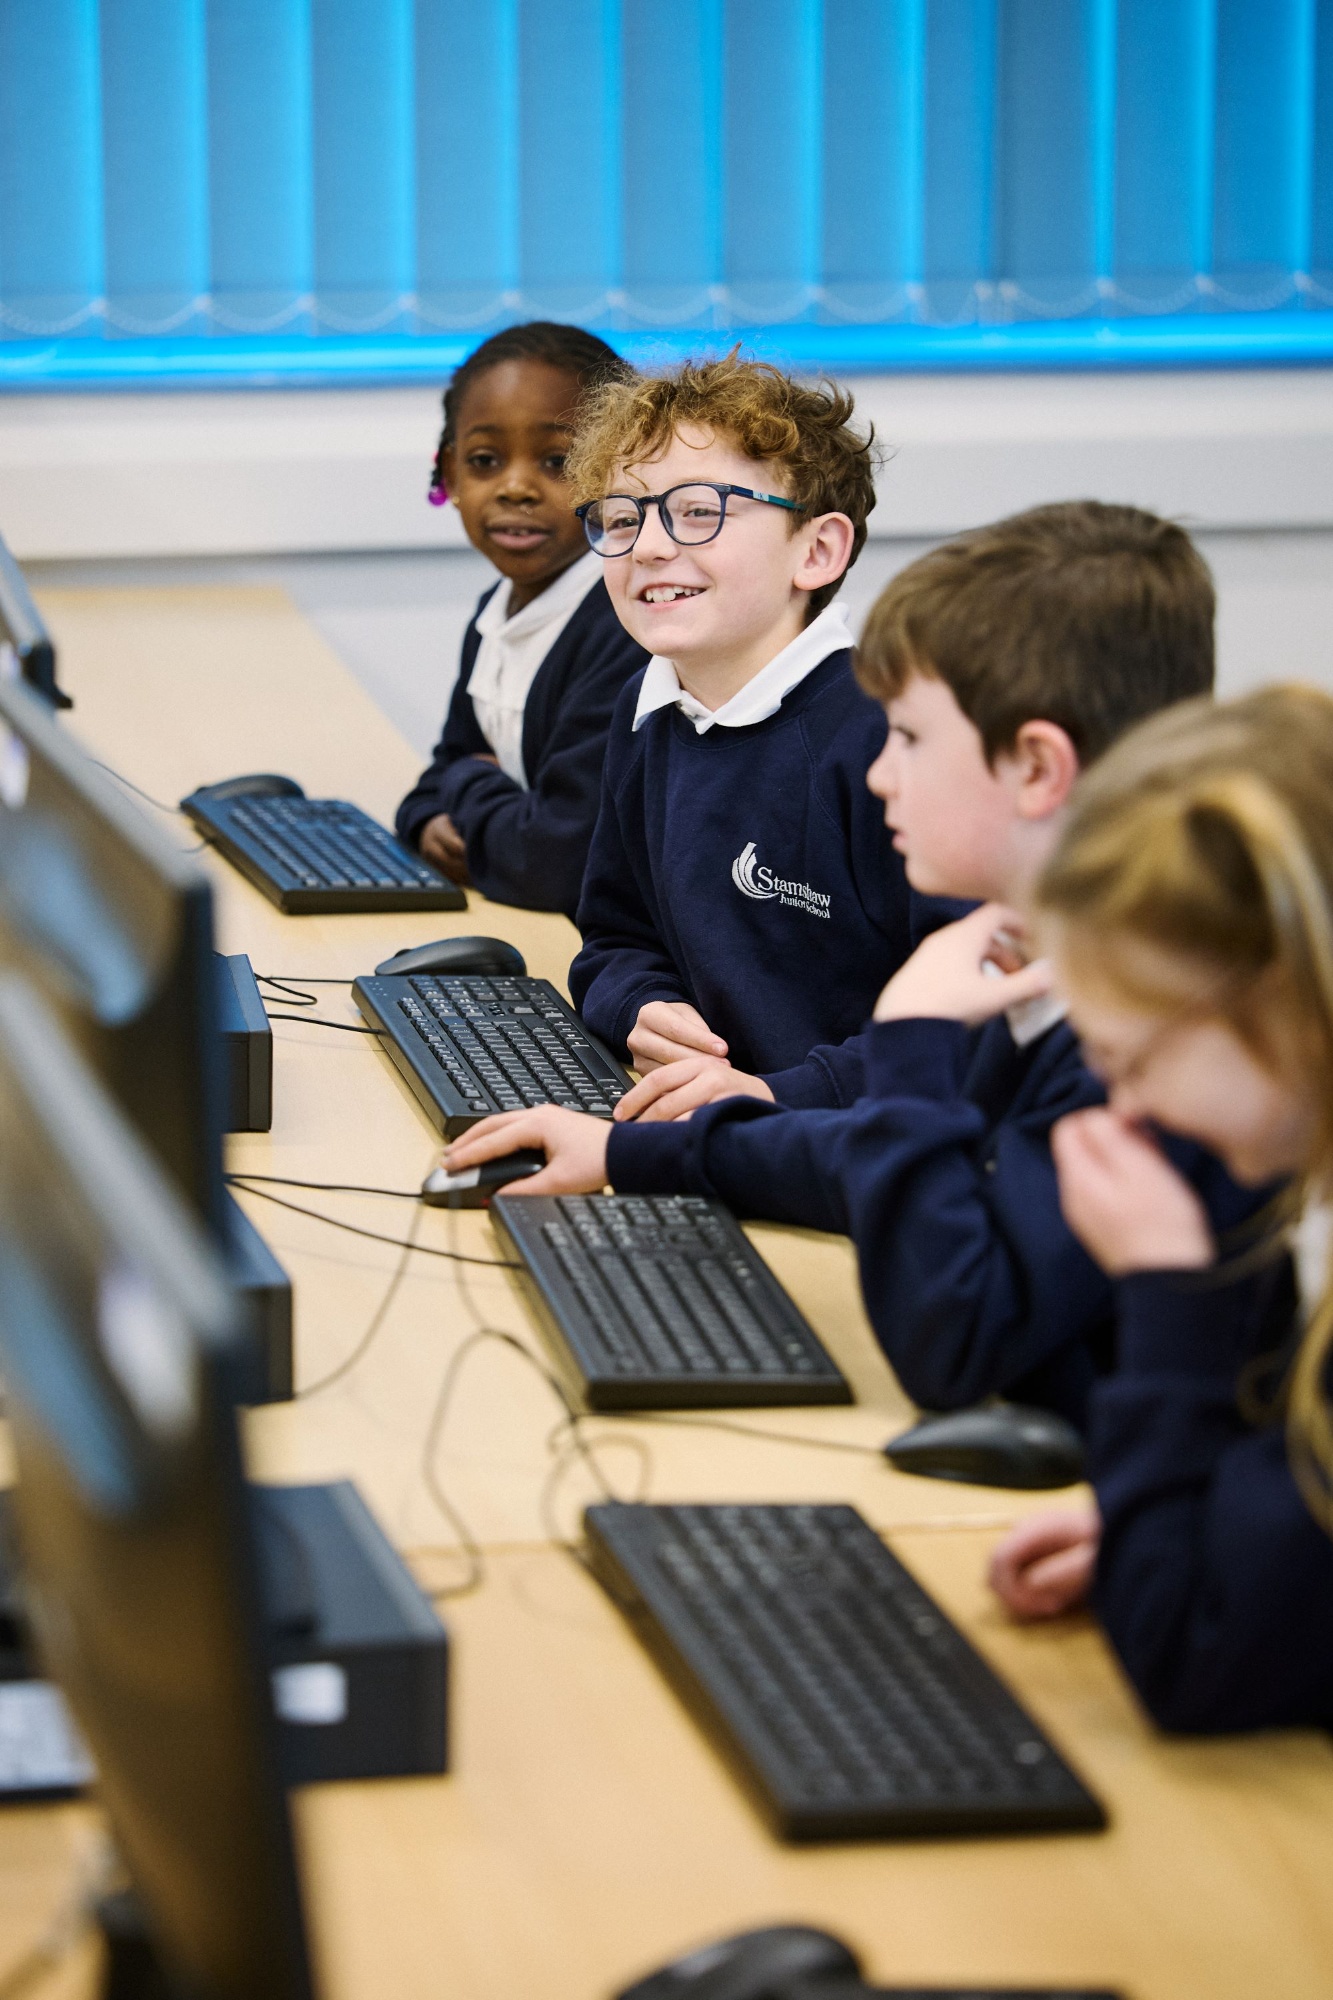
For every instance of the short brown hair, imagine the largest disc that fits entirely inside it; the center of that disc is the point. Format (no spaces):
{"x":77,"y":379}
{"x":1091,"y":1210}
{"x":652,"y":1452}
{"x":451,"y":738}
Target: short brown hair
{"x":826,"y":467}
{"x":1082,"y":614}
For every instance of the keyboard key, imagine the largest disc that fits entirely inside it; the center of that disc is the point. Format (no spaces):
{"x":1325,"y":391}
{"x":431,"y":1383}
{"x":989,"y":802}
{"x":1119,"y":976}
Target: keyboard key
{"x":854,"y":1705}
{"x":698,"y":1317}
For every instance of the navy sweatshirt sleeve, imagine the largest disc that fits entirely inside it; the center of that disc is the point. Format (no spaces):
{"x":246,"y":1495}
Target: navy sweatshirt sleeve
{"x":1214,"y":1582}
{"x":529,"y":847}
{"x":971,"y":1279}
{"x":834,"y":1074}
{"x":624,"y":963}
{"x":462,"y":738}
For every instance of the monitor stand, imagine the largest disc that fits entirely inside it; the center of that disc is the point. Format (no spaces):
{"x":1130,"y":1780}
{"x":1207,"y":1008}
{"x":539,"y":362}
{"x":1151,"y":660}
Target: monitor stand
{"x":357,"y":1656}
{"x":267,"y":1290}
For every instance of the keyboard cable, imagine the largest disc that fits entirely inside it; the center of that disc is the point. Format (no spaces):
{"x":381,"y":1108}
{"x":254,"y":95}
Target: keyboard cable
{"x":159,"y":805}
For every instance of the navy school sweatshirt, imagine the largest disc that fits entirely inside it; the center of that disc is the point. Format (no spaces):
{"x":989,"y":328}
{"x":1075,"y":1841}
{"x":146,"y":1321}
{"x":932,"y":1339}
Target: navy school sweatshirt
{"x":943,"y":1178}
{"x":747,"y":871}
{"x":530,"y":847}
{"x":1214,"y":1582}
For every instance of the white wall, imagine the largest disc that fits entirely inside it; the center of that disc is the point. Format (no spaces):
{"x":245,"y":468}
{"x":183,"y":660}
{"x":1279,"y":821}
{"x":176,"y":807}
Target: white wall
{"x":279,"y":471}
{"x":323,"y":491}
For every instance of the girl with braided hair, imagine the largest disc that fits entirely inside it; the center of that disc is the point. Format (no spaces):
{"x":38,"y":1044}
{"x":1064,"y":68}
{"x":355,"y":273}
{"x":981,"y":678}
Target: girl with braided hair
{"x":509,"y":800}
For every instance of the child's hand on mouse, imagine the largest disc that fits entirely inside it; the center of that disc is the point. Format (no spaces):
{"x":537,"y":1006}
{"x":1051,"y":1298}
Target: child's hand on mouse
{"x":444,"y":847}
{"x":674,"y":1090}
{"x":573,"y":1142}
{"x":668,"y":1031}
{"x":1124,"y":1200}
{"x":969,"y":972}
{"x":1045,"y":1565}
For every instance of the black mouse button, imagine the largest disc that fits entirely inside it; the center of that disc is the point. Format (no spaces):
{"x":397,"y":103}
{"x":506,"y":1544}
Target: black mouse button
{"x":251,"y":785}
{"x":751,"y":1966}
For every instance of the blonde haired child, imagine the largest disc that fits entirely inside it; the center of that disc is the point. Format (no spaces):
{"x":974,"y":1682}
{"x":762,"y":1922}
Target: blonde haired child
{"x":1189,"y":911}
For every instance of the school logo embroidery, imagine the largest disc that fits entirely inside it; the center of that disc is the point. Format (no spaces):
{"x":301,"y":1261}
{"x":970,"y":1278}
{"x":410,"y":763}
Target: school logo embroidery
{"x":763,"y":886}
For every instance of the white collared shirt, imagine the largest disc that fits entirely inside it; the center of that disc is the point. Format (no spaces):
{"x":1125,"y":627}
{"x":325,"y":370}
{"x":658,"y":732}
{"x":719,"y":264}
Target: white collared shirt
{"x":759,"y":698}
{"x":512,"y":650}
{"x":1031,"y":1018}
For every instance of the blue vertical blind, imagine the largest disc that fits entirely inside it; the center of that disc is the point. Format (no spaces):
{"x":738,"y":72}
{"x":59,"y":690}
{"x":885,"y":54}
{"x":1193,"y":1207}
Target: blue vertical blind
{"x":198,"y":168}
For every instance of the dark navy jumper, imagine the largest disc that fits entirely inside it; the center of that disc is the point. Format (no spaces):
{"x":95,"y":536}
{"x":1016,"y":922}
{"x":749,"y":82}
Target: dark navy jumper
{"x":747,"y":871}
{"x":943,"y":1178}
{"x":1214,"y":1581}
{"x":530,"y":847}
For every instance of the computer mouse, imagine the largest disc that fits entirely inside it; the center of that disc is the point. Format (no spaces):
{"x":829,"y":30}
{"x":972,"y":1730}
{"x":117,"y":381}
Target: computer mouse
{"x":255,"y":785}
{"x":996,"y":1444}
{"x":457,"y":955}
{"x":754,"y":1965}
{"x":474,"y":1186}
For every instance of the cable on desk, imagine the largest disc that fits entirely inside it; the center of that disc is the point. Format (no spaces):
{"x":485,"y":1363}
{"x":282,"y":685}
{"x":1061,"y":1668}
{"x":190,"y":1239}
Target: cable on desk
{"x":309,"y":1021}
{"x":297,"y":980}
{"x":688,"y":1420}
{"x":330,"y":1187}
{"x":158,"y":804}
{"x":242,"y":1181}
{"x":138,"y":790}
{"x":377,"y":1318}
{"x":573,"y":1420}
{"x":292,"y":996}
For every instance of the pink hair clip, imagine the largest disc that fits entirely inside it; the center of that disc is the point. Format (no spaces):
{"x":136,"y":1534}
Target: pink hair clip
{"x":438,"y":494}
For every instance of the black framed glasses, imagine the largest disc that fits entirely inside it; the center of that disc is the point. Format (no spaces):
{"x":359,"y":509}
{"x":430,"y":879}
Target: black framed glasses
{"x":691,"y":514}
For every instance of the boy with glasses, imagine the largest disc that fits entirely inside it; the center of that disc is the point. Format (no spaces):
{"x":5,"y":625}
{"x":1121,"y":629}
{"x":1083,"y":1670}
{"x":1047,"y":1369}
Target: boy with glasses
{"x":1007,"y":661}
{"x":742,"y":897}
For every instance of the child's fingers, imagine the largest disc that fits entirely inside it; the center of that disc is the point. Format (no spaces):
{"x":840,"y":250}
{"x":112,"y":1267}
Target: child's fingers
{"x":665,"y":1028}
{"x":1060,"y":1582}
{"x":701,"y":1086}
{"x":635,"y":1103}
{"x":649,"y":1044}
{"x":1045,"y":1564}
{"x":507,"y":1132}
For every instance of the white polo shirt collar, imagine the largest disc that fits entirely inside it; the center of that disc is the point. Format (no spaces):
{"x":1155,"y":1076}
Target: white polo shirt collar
{"x":759,"y":698}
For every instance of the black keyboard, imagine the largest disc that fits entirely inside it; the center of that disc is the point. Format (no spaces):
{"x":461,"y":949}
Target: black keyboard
{"x":659,"y":1302}
{"x":471,"y":1045}
{"x":319,"y":856}
{"x":850,"y":1702}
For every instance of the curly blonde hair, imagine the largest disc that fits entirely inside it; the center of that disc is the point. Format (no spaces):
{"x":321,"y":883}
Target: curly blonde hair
{"x":805,"y":432}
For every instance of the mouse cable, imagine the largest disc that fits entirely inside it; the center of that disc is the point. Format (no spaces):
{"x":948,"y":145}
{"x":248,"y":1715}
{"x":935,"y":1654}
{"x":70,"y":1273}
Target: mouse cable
{"x":330,"y":1187}
{"x":242,"y":1181}
{"x":687,"y":1420}
{"x":310,"y":1021}
{"x":158,"y":805}
{"x":377,"y":1318}
{"x":138,"y":790}
{"x":291,"y":987}
{"x":289,"y":995}
{"x":573,"y":1420}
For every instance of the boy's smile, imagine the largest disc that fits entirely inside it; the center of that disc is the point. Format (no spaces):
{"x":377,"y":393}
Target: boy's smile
{"x":723,"y":609}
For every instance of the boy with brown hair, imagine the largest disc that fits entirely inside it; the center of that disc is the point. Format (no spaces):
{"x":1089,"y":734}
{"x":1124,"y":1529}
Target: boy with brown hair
{"x":1005,"y":660}
{"x":742,"y":897}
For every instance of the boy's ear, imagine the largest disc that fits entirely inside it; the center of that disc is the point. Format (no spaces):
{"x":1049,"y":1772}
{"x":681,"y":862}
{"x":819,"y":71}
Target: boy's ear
{"x":1046,"y":765}
{"x":827,"y":550}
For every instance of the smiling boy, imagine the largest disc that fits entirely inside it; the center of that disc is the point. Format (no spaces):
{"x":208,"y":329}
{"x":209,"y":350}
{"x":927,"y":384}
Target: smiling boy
{"x":742,"y":897}
{"x":1006,"y":660}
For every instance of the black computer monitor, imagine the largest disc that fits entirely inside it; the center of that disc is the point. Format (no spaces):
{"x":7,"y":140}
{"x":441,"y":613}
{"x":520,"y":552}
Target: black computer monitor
{"x":118,"y":1342}
{"x":26,"y":651}
{"x":115,"y":926}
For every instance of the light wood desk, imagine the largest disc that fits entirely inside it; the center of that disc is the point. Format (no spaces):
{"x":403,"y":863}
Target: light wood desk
{"x":587,"y":1829}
